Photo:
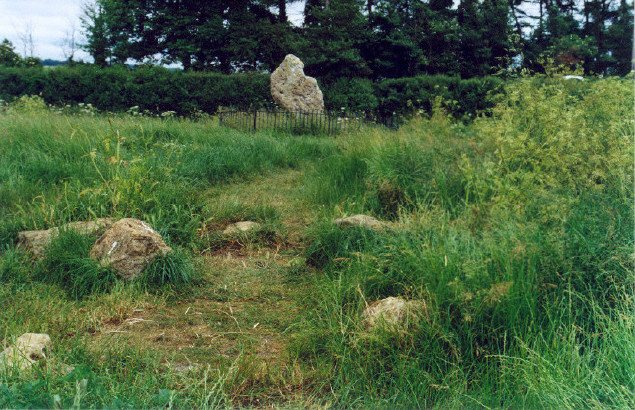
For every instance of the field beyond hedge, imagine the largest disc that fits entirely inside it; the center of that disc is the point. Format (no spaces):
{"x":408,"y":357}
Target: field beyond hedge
{"x":515,"y":228}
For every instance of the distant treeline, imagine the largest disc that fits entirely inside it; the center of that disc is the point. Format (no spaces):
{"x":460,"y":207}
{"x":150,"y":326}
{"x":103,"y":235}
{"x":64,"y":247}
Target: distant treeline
{"x":158,"y":90}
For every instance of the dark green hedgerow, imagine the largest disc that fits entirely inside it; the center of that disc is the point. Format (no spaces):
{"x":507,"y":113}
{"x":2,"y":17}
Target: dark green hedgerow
{"x":158,"y":90}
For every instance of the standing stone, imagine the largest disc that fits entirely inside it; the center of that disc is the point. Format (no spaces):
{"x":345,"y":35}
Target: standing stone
{"x":128,"y":246}
{"x":293,"y":90}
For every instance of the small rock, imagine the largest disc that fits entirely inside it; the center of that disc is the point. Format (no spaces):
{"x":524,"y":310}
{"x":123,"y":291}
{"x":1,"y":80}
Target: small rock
{"x":242,"y":227}
{"x":292,"y":89}
{"x":393,"y":312}
{"x":360,"y":220}
{"x":37,"y":241}
{"x":29,"y":348}
{"x":128,"y":246}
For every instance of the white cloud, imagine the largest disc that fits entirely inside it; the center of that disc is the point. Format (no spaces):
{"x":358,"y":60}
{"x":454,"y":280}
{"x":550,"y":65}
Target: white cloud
{"x":47,"y":22}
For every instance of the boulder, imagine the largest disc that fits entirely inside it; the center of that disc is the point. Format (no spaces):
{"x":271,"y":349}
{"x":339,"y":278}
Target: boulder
{"x":364,"y":221}
{"x":393,"y":313}
{"x":28,"y":349}
{"x":292,"y":89}
{"x":128,"y":246}
{"x":242,"y":227}
{"x":37,"y":241}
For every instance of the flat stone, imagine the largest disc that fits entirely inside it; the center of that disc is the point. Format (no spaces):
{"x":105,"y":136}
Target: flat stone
{"x":242,"y":227}
{"x":36,"y":241}
{"x":28,"y":349}
{"x":364,"y":221}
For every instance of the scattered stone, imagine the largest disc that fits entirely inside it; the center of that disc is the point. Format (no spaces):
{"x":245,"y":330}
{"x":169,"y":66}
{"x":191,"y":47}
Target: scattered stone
{"x":360,"y":220}
{"x":29,"y":348}
{"x":292,"y":89}
{"x":183,"y":368}
{"x":37,"y":241}
{"x":242,"y":227}
{"x":128,"y":246}
{"x":393,"y":312}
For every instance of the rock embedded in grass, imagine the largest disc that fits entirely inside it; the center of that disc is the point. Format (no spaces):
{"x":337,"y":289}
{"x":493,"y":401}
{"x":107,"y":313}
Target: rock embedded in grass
{"x":360,"y":220}
{"x":128,"y":246}
{"x":393,"y":313}
{"x":242,"y":227}
{"x":28,"y":349}
{"x":37,"y":241}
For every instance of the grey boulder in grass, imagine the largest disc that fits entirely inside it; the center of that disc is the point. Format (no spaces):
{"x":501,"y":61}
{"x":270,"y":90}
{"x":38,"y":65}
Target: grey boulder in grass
{"x":293,"y":90}
{"x":28,"y":349}
{"x":393,"y":313}
{"x":363,"y":221}
{"x":128,"y":246}
{"x":242,"y":227}
{"x":37,"y":241}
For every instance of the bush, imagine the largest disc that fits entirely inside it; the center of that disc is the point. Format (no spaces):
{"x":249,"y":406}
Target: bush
{"x":462,"y":98}
{"x":158,"y":90}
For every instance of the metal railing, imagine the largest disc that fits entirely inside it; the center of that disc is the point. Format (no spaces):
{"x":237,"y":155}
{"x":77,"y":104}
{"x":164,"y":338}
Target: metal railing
{"x":300,"y":122}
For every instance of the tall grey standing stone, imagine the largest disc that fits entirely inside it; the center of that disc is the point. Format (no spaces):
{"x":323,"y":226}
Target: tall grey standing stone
{"x":292,"y":89}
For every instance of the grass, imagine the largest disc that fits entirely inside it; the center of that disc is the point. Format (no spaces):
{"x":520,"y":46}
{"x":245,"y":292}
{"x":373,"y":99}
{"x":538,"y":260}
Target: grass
{"x":515,"y":229}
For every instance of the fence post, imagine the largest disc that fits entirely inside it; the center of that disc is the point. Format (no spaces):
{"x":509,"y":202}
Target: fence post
{"x":255,"y":118}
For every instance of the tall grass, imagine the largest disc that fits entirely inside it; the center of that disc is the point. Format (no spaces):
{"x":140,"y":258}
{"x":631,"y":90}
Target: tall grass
{"x":517,"y":231}
{"x":58,"y":168}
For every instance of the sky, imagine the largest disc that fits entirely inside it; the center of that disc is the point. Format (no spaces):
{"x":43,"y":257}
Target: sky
{"x":47,"y":21}
{"x":51,"y":21}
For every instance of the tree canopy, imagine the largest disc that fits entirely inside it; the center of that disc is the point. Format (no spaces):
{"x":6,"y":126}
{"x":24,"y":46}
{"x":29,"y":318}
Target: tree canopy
{"x":374,"y":39}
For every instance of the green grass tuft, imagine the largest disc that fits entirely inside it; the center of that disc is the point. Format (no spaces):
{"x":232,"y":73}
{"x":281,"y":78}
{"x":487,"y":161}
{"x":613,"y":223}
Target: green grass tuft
{"x":174,"y":270}
{"x":67,"y":264}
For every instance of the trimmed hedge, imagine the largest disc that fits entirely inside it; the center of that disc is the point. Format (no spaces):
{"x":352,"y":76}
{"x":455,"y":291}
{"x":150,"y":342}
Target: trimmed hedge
{"x":462,"y":97}
{"x":158,"y":89}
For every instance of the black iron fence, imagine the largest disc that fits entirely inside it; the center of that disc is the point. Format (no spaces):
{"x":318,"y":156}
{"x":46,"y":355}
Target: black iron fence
{"x":302,"y":122}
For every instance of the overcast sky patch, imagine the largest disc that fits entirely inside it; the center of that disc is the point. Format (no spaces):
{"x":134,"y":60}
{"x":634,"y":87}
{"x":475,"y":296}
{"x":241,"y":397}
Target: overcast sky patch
{"x":46,"y":21}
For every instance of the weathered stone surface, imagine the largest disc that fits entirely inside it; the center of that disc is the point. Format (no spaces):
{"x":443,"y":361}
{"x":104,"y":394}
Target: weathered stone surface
{"x":128,"y":246}
{"x":360,"y":220}
{"x":393,"y":312}
{"x":37,"y":241}
{"x":242,"y":227}
{"x":28,"y":349}
{"x":292,"y":89}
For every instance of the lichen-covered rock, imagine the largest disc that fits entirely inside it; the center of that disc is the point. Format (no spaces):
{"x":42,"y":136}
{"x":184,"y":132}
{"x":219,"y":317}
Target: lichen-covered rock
{"x":28,"y":349}
{"x":128,"y":246}
{"x":242,"y":227}
{"x":37,"y":241}
{"x":292,"y":89}
{"x":393,"y":313}
{"x":364,"y":221}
